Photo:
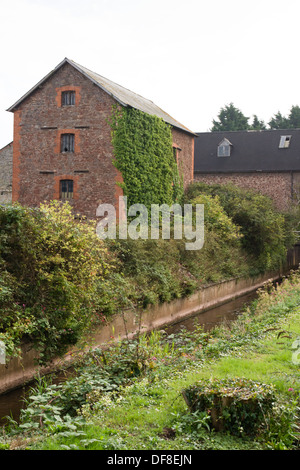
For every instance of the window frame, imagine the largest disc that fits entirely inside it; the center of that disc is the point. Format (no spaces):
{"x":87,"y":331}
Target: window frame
{"x":67,"y":142}
{"x":69,"y":194}
{"x":285,"y":141}
{"x":68,"y":98}
{"x":224,"y":148}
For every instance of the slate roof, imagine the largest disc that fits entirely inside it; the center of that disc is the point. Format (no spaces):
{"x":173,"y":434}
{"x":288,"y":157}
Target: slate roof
{"x":124,"y":96}
{"x":250,"y":151}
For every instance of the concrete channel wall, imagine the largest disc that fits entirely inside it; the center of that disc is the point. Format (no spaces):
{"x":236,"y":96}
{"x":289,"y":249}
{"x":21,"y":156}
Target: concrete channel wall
{"x":20,"y":371}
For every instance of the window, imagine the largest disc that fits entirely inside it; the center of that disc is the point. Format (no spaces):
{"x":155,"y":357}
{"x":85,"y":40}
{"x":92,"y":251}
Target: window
{"x":66,"y":189}
{"x":68,"y":98}
{"x":224,"y":148}
{"x":285,"y":141}
{"x":176,"y":149}
{"x":67,"y":143}
{"x":175,"y":153}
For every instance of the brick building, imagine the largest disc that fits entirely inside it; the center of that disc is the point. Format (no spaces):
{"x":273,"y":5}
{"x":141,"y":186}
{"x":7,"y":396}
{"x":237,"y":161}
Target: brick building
{"x":265,"y":161}
{"x":6,"y":158}
{"x":62,"y":141}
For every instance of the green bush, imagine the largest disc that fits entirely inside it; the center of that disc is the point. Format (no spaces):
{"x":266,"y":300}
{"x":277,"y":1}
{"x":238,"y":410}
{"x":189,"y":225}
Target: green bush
{"x":265,"y":231}
{"x":154,"y":269}
{"x":237,"y":405}
{"x":49,"y":266}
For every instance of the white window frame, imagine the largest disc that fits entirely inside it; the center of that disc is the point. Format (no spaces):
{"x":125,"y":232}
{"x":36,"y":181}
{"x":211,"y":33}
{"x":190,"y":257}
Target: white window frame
{"x":224,"y":148}
{"x":285,"y":141}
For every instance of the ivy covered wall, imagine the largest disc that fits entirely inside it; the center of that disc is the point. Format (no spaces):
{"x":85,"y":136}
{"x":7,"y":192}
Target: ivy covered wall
{"x":144,"y":156}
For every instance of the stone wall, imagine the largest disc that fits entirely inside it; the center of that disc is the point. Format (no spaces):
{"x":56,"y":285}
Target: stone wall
{"x":276,"y":185}
{"x":185,"y":155}
{"x":6,"y":157}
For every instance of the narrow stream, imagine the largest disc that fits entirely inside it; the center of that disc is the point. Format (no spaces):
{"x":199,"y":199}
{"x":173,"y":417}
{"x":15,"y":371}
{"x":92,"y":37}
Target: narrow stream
{"x":223,"y":313}
{"x":12,"y":402}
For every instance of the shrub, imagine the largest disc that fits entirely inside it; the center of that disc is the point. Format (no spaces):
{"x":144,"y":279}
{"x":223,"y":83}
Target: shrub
{"x":235,"y":405}
{"x":49,"y":266}
{"x":265,"y":231}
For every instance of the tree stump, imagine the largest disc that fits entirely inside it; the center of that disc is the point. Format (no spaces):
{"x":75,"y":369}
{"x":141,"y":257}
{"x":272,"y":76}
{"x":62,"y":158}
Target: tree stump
{"x":237,"y":405}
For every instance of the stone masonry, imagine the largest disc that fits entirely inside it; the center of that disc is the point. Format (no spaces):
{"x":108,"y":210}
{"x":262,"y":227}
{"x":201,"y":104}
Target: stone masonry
{"x":6,"y":158}
{"x":279,"y":186}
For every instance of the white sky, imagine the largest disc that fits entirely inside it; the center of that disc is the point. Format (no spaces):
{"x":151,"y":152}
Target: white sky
{"x":191,"y":57}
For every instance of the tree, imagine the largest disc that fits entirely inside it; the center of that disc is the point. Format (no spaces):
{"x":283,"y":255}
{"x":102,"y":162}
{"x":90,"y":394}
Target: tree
{"x":230,"y":118}
{"x":279,"y":122}
{"x":257,"y":125}
{"x":294,"y":117}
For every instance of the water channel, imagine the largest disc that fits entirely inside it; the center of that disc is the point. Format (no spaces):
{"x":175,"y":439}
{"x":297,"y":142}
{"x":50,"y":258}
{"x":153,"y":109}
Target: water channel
{"x":12,"y":402}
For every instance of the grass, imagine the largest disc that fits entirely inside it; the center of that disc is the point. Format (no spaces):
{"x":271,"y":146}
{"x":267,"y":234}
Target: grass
{"x":149,"y":413}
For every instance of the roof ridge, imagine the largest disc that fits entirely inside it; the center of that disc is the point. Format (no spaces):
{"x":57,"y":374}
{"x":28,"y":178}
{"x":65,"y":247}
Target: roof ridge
{"x":108,"y":79}
{"x":123,"y":95}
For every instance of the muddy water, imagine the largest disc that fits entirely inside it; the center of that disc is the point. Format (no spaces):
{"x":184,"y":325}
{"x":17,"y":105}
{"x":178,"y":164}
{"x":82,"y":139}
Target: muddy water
{"x":224,"y":313}
{"x":12,"y":402}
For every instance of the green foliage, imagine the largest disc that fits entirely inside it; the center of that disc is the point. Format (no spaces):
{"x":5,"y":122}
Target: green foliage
{"x":144,"y":156}
{"x":292,"y":121}
{"x":215,"y":219}
{"x":257,"y":125}
{"x":230,"y":118}
{"x":235,"y":405}
{"x":49,"y":266}
{"x":129,"y":396}
{"x":57,"y":279}
{"x":279,"y":122}
{"x":154,"y":269}
{"x":266,"y":235}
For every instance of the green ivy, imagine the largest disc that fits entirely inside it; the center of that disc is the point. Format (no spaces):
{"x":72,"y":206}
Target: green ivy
{"x":236,"y":405}
{"x":144,"y":156}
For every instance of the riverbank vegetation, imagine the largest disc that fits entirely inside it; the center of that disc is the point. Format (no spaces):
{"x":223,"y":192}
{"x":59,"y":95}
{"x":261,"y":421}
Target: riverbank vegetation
{"x":129,"y":396}
{"x":58,"y":280}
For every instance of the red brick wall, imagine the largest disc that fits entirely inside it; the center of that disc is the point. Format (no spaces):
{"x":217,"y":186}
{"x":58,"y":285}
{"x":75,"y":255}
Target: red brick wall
{"x":39,"y":123}
{"x":278,"y":186}
{"x":185,"y":156}
{"x":16,"y":157}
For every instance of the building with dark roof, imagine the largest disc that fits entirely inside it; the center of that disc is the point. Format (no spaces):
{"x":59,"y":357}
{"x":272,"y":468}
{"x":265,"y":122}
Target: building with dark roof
{"x":267,"y":161}
{"x":62,"y":139}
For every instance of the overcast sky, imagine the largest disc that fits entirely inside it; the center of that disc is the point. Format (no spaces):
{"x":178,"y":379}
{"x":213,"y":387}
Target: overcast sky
{"x":191,"y":57}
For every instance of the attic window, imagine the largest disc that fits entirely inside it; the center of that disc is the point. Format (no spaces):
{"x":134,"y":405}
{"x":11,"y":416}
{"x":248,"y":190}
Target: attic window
{"x":68,"y":98}
{"x":285,"y":141}
{"x":224,"y":148}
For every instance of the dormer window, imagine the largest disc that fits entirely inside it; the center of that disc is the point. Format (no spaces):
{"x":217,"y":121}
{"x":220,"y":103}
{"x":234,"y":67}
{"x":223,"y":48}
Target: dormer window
{"x":224,"y":148}
{"x":68,"y":98}
{"x":285,"y":141}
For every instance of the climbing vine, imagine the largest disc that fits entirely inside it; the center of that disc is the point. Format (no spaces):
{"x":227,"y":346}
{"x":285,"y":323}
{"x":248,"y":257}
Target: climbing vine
{"x":144,"y":156}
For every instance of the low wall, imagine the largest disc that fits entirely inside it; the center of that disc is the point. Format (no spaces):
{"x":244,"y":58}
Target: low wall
{"x":20,"y":371}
